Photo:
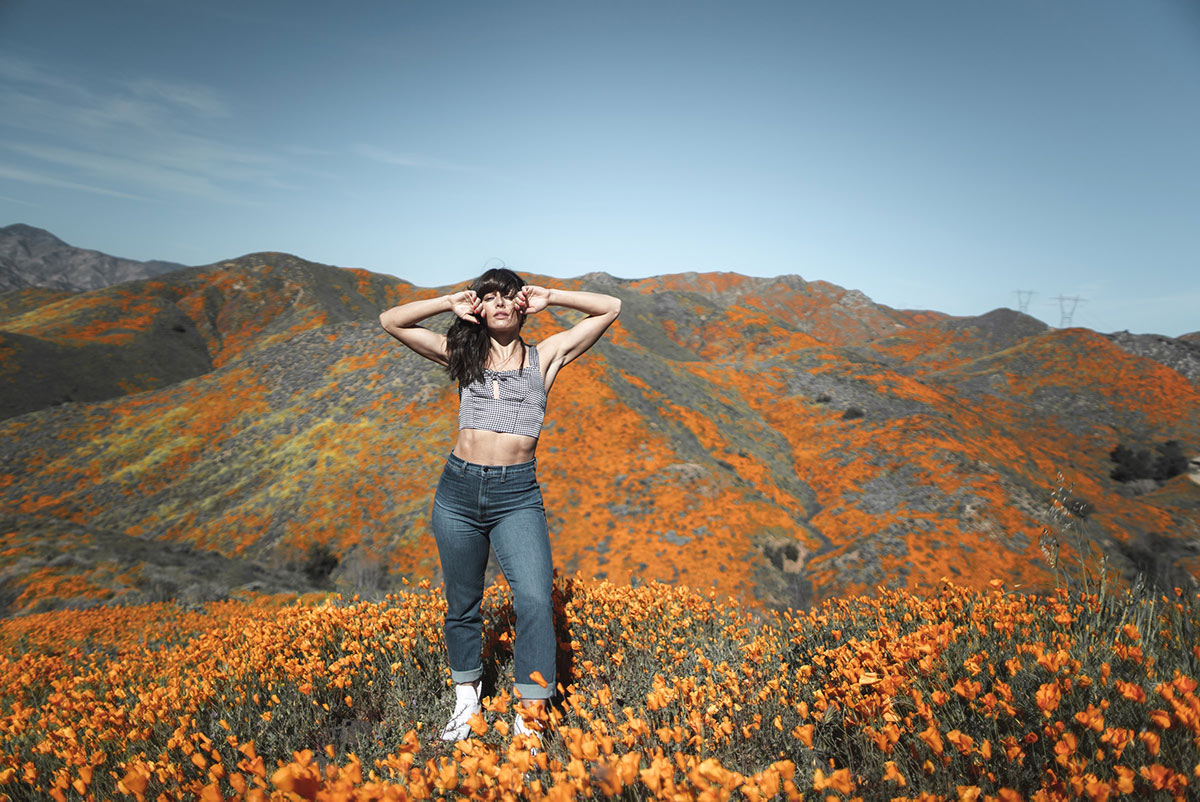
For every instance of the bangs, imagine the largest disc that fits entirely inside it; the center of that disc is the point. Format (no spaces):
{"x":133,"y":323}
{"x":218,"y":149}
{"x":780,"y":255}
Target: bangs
{"x":498,"y":279}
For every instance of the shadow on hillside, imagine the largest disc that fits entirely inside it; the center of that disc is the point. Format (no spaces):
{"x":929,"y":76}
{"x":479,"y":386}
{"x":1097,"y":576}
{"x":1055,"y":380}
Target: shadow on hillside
{"x":1158,"y":561}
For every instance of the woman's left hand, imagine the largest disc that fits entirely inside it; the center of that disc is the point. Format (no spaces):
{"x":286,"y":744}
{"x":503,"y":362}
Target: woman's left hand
{"x":535,"y":298}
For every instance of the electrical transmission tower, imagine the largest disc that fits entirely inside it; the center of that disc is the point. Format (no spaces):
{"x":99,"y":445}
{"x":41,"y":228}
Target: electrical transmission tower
{"x":1023,"y":298}
{"x":1066,"y":306}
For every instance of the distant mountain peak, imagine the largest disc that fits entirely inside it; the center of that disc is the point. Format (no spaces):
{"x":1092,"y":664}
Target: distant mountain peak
{"x":33,"y":257}
{"x":32,"y":233}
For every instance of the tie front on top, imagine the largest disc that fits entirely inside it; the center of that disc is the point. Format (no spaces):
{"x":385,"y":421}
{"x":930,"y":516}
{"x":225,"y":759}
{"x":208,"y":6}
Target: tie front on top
{"x":512,"y":401}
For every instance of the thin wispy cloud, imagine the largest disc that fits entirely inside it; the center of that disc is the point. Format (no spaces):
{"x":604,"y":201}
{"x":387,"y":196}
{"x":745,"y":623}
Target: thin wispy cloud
{"x":405,"y":159}
{"x":7,"y":199}
{"x":30,"y":177}
{"x":305,"y":150}
{"x":41,"y":101}
{"x":147,"y":137}
{"x":157,"y":138}
{"x":24,"y":72}
{"x":200,"y":100}
{"x":121,"y":169}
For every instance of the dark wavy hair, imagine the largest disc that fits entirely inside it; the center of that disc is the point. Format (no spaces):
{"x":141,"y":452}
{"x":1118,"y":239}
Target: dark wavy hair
{"x":467,"y":343}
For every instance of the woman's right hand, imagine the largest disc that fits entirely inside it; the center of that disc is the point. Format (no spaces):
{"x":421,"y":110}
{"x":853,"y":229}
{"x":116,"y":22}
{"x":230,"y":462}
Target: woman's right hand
{"x":466,"y":305}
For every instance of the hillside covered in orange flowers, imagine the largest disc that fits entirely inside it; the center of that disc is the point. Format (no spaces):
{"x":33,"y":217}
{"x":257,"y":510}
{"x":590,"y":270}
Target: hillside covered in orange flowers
{"x":779,"y":440}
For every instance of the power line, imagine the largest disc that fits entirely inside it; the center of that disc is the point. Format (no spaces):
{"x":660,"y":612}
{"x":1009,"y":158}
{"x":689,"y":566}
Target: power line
{"x":1023,"y":298}
{"x":1066,"y":307}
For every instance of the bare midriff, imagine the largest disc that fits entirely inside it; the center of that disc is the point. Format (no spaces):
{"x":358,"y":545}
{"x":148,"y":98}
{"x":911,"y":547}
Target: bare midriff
{"x":494,"y":448}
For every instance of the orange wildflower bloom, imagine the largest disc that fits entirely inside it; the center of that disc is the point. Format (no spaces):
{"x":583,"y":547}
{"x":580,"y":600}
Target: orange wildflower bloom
{"x":1065,"y":747}
{"x":838,"y":781}
{"x":1162,"y":778}
{"x":892,"y":774}
{"x":135,"y":782}
{"x":961,"y":741}
{"x":1131,"y":691}
{"x":1096,"y":789}
{"x":1091,"y":718}
{"x":933,"y":738}
{"x":1048,"y":696}
{"x":1160,"y":718}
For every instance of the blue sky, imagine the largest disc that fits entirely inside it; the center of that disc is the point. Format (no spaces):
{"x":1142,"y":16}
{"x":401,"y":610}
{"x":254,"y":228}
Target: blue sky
{"x":935,"y":155}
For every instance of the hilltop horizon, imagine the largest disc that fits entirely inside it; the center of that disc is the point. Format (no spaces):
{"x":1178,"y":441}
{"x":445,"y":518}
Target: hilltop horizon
{"x":157,"y":265}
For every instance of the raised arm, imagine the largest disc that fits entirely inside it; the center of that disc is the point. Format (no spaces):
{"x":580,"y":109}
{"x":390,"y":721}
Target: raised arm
{"x":564,"y":347}
{"x":401,"y":322}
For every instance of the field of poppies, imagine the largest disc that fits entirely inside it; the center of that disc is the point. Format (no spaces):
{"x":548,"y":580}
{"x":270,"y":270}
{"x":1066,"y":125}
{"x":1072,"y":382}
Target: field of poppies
{"x":665,"y":692}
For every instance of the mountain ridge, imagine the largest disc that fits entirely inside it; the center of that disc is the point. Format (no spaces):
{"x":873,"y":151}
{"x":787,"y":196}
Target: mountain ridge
{"x":779,"y":439}
{"x":33,"y":257}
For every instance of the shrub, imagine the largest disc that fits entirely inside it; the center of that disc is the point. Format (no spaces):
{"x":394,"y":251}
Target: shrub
{"x":1164,"y":462}
{"x":319,"y":563}
{"x":362,"y":571}
{"x":851,"y":413}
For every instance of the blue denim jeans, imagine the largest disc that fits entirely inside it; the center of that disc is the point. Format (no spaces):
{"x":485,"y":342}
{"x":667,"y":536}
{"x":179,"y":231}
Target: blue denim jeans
{"x":477,"y":506}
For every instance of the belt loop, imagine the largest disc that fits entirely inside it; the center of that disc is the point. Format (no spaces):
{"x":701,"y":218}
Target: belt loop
{"x":503,"y":473}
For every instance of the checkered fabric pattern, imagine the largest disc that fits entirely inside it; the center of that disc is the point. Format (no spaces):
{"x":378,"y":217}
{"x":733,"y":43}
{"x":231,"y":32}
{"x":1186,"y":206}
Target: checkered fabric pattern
{"x":512,"y":401}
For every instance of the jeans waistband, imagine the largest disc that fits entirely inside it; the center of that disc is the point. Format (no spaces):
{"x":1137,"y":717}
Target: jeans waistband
{"x":461,"y":466}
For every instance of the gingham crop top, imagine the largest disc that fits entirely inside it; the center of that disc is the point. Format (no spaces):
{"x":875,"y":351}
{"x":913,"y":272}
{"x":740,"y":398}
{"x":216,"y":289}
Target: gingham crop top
{"x":512,"y":401}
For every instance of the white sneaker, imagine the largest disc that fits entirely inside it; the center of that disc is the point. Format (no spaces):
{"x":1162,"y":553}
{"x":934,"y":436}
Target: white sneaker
{"x":466,"y":704}
{"x":521,"y":729}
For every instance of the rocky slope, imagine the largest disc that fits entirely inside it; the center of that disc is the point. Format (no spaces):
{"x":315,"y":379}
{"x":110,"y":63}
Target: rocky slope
{"x":778,"y":439}
{"x":33,"y":257}
{"x":143,"y":335}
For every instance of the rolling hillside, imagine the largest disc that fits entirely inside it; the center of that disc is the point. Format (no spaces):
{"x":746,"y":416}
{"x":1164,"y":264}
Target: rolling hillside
{"x":779,"y":440}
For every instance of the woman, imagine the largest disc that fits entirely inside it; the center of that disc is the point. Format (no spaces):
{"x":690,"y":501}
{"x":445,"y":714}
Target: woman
{"x":488,"y":492}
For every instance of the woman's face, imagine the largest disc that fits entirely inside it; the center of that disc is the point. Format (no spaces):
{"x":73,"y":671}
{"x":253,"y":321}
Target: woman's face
{"x":501,"y":310}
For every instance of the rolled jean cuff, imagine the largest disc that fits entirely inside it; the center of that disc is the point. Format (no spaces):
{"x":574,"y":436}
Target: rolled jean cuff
{"x":531,"y":691}
{"x":466,"y":676}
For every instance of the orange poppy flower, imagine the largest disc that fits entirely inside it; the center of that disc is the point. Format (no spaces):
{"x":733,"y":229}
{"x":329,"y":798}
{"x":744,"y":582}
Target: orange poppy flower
{"x":1048,"y":696}
{"x":961,"y":741}
{"x":1160,"y":718}
{"x":1091,"y":718}
{"x":931,"y":736}
{"x":838,"y":781}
